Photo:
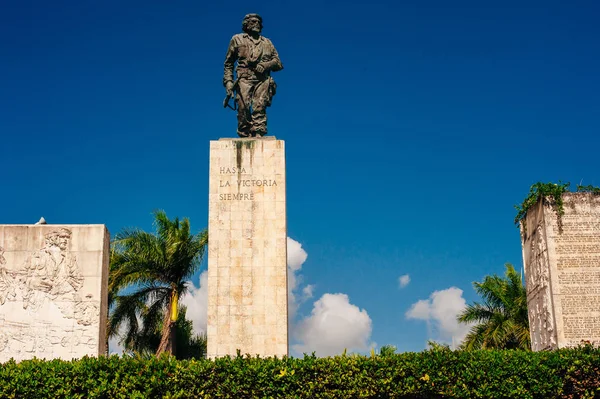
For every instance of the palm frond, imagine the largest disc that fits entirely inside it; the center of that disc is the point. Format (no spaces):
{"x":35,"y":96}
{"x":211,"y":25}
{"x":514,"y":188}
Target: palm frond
{"x":502,"y":320}
{"x":476,"y":313}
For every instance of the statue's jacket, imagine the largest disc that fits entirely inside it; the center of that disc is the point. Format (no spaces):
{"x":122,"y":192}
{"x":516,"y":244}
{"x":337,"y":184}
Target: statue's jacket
{"x":249,"y":53}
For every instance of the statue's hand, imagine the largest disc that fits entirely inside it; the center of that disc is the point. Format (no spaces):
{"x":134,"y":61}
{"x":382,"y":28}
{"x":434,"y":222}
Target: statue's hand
{"x":260,"y":68}
{"x":229,"y":88}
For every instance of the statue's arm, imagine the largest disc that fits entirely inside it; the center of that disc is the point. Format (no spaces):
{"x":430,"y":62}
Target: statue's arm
{"x":230,"y":59}
{"x":274,"y":63}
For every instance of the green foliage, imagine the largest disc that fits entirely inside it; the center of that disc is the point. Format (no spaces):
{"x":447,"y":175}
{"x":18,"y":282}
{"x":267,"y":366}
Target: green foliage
{"x":588,"y":189}
{"x":437,"y":346}
{"x":551,"y":192}
{"x":387,"y":350}
{"x":542,"y":191}
{"x":571,"y":373}
{"x":501,"y":320}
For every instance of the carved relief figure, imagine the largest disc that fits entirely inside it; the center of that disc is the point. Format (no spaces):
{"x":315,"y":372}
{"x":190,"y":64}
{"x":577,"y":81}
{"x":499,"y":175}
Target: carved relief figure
{"x":256,"y":58}
{"x":29,"y":340}
{"x":4,"y":337}
{"x":77,"y":338}
{"x":87,"y":313}
{"x":7,"y":285}
{"x":542,"y":320}
{"x":52,"y":271}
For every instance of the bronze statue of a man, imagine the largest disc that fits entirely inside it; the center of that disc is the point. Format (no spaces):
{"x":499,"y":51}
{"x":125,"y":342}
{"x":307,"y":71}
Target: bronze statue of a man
{"x":256,"y":58}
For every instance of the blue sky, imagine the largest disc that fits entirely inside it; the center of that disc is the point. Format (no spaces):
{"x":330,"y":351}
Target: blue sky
{"x":411,"y":129}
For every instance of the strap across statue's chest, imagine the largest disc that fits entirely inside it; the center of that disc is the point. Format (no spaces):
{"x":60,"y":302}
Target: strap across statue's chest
{"x":256,"y":51}
{"x":252,"y":51}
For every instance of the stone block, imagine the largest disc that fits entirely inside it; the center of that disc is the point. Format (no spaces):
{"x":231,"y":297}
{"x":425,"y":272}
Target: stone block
{"x":562,"y":271}
{"x":247,"y":189}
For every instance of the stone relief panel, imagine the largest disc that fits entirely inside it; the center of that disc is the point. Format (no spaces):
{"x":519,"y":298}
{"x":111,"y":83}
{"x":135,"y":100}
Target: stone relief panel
{"x":50,"y":302}
{"x":541,"y":318}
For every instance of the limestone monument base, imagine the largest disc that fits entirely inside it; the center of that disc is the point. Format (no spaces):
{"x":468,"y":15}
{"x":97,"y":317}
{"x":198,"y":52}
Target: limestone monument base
{"x":53,"y":291}
{"x":562,"y":272}
{"x":247,"y":248}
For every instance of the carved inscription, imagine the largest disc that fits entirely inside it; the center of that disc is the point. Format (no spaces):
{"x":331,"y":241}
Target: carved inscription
{"x":577,"y":257}
{"x":48,"y":279}
{"x":579,"y":282}
{"x":249,"y":183}
{"x":579,"y":243}
{"x":242,"y":184}
{"x":577,"y":250}
{"x":240,"y":196}
{"x":576,"y":327}
{"x":575,"y":304}
{"x":224,"y":170}
{"x":583,"y":222}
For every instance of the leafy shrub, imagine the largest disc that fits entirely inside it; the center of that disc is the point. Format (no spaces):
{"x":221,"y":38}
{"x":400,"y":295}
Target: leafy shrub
{"x":552,"y":193}
{"x":567,"y":373}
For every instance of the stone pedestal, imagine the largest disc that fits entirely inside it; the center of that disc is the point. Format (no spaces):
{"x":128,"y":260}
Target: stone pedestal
{"x":247,"y":248}
{"x":53,"y":291}
{"x":562,"y":272}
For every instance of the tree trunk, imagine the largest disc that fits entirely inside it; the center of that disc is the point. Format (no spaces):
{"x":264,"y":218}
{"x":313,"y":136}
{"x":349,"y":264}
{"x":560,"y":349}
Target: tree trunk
{"x":167,"y":339}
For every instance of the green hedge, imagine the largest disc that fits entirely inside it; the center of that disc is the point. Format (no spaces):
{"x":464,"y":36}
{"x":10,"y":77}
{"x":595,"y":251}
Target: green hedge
{"x":430,"y":374}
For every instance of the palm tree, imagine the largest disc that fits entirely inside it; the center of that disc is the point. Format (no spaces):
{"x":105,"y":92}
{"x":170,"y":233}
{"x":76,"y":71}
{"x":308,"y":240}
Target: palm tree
{"x":148,"y":274}
{"x":502,"y":321}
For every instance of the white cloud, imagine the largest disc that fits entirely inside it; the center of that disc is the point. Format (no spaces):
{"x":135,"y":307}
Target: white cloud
{"x":296,"y":256}
{"x":114,"y":347}
{"x":196,"y":301}
{"x":419,"y":310}
{"x":308,"y":291}
{"x":439,"y":311}
{"x":334,"y":325}
{"x":403,"y":280}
